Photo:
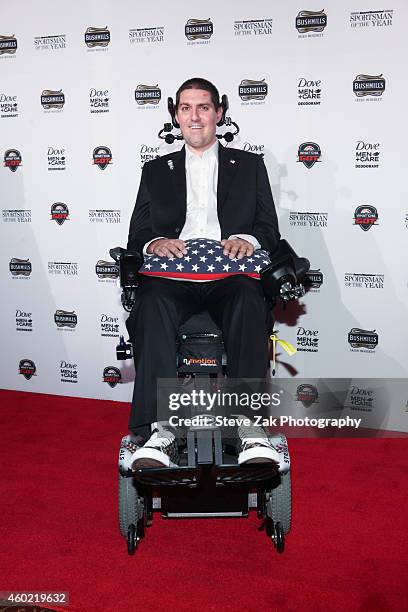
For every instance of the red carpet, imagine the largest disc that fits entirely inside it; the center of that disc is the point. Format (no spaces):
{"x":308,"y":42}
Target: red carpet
{"x":347,"y":549}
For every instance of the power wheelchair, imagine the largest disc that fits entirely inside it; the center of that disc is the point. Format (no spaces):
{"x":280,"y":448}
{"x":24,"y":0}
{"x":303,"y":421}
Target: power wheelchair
{"x":208,"y":482}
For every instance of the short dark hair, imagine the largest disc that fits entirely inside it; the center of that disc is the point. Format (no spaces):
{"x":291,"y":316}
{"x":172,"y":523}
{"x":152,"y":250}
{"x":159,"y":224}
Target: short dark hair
{"x":199,"y":83}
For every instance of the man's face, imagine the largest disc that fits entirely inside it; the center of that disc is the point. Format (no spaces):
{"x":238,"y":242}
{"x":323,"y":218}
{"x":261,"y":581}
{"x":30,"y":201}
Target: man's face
{"x":197,"y":118}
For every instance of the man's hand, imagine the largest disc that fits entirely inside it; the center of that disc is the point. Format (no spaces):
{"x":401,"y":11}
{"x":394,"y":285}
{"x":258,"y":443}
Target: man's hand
{"x":237,"y":247}
{"x":167,"y":247}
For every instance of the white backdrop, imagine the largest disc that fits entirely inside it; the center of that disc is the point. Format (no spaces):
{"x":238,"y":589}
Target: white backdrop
{"x":361,"y":279}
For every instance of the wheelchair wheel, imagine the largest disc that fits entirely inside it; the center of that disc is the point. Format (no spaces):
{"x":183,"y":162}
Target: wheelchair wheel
{"x":131,"y":540}
{"x":278,"y":537}
{"x":131,"y":507}
{"x":279,"y":503}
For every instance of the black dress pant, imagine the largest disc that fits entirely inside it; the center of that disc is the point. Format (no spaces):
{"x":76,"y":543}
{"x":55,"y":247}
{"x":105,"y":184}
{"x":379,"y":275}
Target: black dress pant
{"x":236,"y":304}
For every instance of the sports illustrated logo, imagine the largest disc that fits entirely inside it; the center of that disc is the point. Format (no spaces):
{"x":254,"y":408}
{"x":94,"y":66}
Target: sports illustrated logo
{"x":68,"y":372}
{"x":99,"y":100}
{"x":308,"y":219}
{"x":49,"y":43}
{"x":307,"y":394}
{"x":56,"y":159}
{"x":365,"y":85}
{"x":147,"y":96}
{"x":112,"y":376}
{"x":362,"y":340}
{"x":97,"y":39}
{"x":309,"y":153}
{"x":27,"y":368}
{"x":255,"y":27}
{"x":109,"y":326}
{"x":364,"y":281}
{"x":12,"y":159}
{"x":24,"y":321}
{"x":406,"y":220}
{"x":20,"y":267}
{"x":17,"y":215}
{"x":310,"y":23}
{"x":313,"y":280}
{"x":104,"y":216}
{"x":65,"y":319}
{"x":148,"y":35}
{"x":8,"y":106}
{"x":199,"y":31}
{"x":62,"y":268}
{"x":376,"y":19}
{"x":101,"y":157}
{"x":367,"y":154}
{"x":365,"y":216}
{"x":360,"y":399}
{"x":307,"y":340}
{"x":8,"y":45}
{"x":254,"y":148}
{"x":253,"y":92}
{"x":309,"y":92}
{"x":52,"y":100}
{"x":106,"y":270}
{"x":59,"y":213}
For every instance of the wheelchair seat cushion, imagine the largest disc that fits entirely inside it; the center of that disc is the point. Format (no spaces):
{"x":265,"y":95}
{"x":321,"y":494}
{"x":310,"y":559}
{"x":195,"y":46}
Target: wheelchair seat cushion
{"x":205,"y":261}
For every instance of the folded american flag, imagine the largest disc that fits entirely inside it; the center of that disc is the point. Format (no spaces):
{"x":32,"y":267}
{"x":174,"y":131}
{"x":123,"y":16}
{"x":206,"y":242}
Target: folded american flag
{"x":205,"y":261}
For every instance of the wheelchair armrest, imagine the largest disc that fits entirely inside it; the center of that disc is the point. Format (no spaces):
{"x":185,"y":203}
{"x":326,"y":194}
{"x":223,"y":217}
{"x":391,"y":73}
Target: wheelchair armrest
{"x":129,"y":263}
{"x":281,"y":278}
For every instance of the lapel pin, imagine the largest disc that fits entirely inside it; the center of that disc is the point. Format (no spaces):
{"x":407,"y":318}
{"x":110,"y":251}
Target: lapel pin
{"x":170,"y":164}
{"x":232,"y":161}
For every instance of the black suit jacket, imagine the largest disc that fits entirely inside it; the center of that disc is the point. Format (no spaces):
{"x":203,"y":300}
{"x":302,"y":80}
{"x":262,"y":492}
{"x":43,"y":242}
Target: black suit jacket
{"x":244,"y":199}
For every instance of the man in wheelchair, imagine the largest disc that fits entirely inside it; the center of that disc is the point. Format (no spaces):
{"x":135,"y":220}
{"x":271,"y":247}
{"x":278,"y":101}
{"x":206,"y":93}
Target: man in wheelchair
{"x":203,"y":191}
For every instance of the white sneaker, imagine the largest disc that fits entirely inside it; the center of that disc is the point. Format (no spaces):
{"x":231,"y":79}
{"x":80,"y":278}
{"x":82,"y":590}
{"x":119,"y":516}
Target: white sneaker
{"x":254,"y":446}
{"x":159,"y":451}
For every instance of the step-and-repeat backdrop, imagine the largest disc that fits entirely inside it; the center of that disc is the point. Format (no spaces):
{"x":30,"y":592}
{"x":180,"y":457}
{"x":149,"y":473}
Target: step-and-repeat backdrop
{"x":317,"y":89}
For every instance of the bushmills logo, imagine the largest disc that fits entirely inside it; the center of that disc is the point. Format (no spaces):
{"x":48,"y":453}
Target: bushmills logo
{"x":311,"y":21}
{"x":148,"y":35}
{"x":307,"y":340}
{"x":106,"y":269}
{"x":364,"y":281}
{"x":12,"y":159}
{"x":59,"y":213}
{"x":102,"y":157}
{"x":309,"y":153}
{"x":308,"y":219}
{"x":365,"y":216}
{"x":367,"y":19}
{"x":366,"y":85}
{"x":51,"y":99}
{"x":196,"y":29}
{"x":362,"y":338}
{"x":309,"y":92}
{"x":8,"y":45}
{"x":255,"y":27}
{"x":8,"y":106}
{"x":313,"y":279}
{"x":97,"y":37}
{"x":65,"y":318}
{"x":147,"y":94}
{"x":27,"y":368}
{"x":307,"y":395}
{"x":112,"y":376}
{"x":20,"y":267}
{"x":24,"y":320}
{"x":249,"y":89}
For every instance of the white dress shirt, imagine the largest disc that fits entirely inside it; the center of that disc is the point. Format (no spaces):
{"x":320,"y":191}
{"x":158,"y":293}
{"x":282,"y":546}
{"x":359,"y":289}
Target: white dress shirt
{"x":201,"y":215}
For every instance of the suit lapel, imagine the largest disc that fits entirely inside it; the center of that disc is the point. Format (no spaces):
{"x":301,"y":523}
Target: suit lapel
{"x":176,"y":167}
{"x":228,"y":163}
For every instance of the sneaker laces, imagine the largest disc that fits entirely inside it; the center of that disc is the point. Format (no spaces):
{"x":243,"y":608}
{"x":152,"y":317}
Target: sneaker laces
{"x":253,"y":435}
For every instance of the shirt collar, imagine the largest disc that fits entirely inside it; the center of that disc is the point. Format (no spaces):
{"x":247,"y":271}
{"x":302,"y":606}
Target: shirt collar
{"x":208,"y":153}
